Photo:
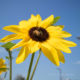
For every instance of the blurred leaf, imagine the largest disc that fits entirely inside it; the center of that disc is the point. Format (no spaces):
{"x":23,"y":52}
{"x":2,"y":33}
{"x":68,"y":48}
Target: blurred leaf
{"x":56,"y":19}
{"x":5,"y":75}
{"x":78,"y":37}
{"x":8,"y":45}
{"x":4,"y":69}
{"x":7,"y":57}
{"x":19,"y":77}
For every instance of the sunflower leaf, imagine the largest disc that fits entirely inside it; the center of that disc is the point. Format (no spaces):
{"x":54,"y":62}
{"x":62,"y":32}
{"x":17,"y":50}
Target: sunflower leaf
{"x":4,"y":69}
{"x":56,"y":19}
{"x":7,"y":57}
{"x":8,"y":45}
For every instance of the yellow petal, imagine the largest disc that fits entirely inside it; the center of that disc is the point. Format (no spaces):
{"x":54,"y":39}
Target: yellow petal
{"x":1,"y":72}
{"x":32,"y":22}
{"x":68,"y":43}
{"x":23,"y":24}
{"x":53,"y":28}
{"x":19,"y":44}
{"x":24,"y":52}
{"x":10,"y":38}
{"x":12,"y":28}
{"x":65,"y":34}
{"x":37,"y":19}
{"x":63,"y":47}
{"x":58,"y":45}
{"x":47,"y":22}
{"x":3,"y":66}
{"x":50,"y":53}
{"x":59,"y":27}
{"x":57,"y":32}
{"x":33,"y":46}
{"x":61,"y":56}
{"x":54,"y":31}
{"x":2,"y":61}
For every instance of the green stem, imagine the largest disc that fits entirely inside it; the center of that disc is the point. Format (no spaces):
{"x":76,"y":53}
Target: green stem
{"x":5,"y":75}
{"x":30,"y":66}
{"x":10,"y":64}
{"x":0,"y":77}
{"x":35,"y":65}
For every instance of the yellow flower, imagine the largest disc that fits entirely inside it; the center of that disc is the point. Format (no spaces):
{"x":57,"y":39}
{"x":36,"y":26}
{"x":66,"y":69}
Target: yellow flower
{"x":36,"y":34}
{"x":2,"y":66}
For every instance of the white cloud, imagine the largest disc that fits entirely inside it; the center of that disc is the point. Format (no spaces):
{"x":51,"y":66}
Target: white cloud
{"x":67,"y":79}
{"x":78,"y":62}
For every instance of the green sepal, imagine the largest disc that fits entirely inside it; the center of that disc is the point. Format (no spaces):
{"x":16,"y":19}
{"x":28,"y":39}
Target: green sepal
{"x":8,"y":45}
{"x":56,"y":19}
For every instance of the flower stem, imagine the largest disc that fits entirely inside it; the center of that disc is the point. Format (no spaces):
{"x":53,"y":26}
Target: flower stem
{"x":10,"y":64}
{"x":30,"y":66}
{"x":5,"y":75}
{"x":35,"y":65}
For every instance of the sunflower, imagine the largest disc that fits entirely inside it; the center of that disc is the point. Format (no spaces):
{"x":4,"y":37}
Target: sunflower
{"x":2,"y":66}
{"x":36,"y":34}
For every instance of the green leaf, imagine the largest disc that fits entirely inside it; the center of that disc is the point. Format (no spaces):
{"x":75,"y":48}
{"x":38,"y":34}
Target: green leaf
{"x":3,"y":69}
{"x":56,"y":19}
{"x":7,"y":57}
{"x":8,"y":45}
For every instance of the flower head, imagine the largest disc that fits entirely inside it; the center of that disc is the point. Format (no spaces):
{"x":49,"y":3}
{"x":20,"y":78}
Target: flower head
{"x":2,"y":66}
{"x":36,"y":34}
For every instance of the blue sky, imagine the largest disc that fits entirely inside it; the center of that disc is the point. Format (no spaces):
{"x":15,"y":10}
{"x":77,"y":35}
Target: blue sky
{"x":13,"y":11}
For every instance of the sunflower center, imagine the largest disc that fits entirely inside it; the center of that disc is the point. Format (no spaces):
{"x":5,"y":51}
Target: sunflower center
{"x":38,"y":34}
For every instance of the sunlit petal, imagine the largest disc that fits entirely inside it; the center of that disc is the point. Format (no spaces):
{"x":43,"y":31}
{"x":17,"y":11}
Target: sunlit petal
{"x":10,"y":38}
{"x":12,"y":28}
{"x":50,"y":53}
{"x":47,"y":22}
{"x":61,"y":56}
{"x":19,"y":44}
{"x":24,"y":52}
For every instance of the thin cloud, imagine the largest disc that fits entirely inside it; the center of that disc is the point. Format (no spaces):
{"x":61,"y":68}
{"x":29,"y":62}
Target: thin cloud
{"x":78,"y":62}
